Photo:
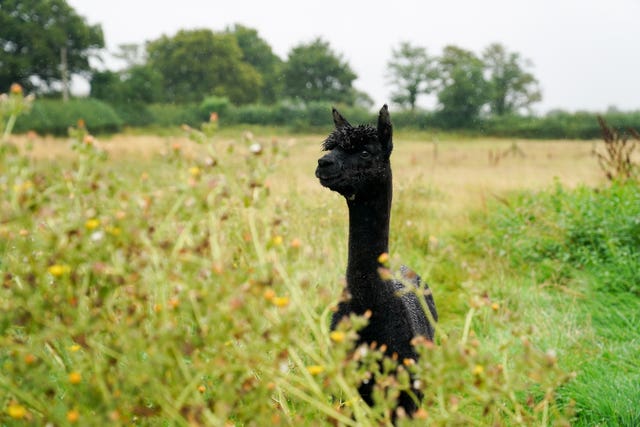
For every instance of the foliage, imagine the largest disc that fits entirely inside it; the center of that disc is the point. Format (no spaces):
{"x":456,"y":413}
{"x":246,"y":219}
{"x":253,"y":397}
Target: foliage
{"x":313,"y":72}
{"x":193,"y":288}
{"x":616,"y":162}
{"x":584,"y":243}
{"x":197,"y":62}
{"x":258,"y":53}
{"x":12,"y":105}
{"x":411,"y":71}
{"x":139,"y":84}
{"x":463,"y":89}
{"x":33,"y":33}
{"x":511,"y":87}
{"x":49,"y":116}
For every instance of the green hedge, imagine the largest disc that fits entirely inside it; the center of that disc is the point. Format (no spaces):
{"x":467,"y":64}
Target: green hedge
{"x":54,"y":117}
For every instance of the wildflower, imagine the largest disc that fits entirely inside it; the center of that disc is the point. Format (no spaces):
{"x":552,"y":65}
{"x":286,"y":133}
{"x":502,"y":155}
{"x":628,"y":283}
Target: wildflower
{"x":495,"y":306}
{"x":337,"y":336}
{"x":255,"y":148}
{"x":421,"y":414}
{"x":92,"y":223}
{"x":281,"y":301}
{"x":408,"y":361}
{"x":29,"y":359}
{"x":97,"y":236}
{"x":385,"y":273}
{"x":213,"y":117}
{"x":295,"y":243}
{"x":73,"y":416}
{"x":75,"y":378}
{"x":114,"y":231}
{"x":269,"y":294}
{"x":15,"y":89}
{"x":16,"y":411}
{"x":176,"y":147}
{"x":58,"y":270}
{"x":74,"y":348}
{"x":194,"y":171}
{"x":277,"y":240}
{"x":81,"y":124}
{"x":315,"y":369}
{"x":202,"y":388}
{"x":383,"y":258}
{"x":478,"y":370}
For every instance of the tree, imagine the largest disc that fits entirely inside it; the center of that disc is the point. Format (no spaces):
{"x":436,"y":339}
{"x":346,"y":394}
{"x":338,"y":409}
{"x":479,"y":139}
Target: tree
{"x":511,"y":87}
{"x":197,"y":63}
{"x":313,"y":72}
{"x":33,"y":33}
{"x":412,"y":74}
{"x":463,"y":91}
{"x":257,"y":52}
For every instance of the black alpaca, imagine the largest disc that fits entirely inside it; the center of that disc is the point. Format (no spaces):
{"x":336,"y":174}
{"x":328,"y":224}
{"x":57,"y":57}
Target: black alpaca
{"x":357,"y":166}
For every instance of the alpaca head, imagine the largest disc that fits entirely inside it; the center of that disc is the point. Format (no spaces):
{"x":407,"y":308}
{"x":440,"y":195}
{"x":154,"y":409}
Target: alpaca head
{"x":357,"y":163}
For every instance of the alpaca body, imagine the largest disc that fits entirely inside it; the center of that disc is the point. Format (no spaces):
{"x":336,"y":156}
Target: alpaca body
{"x":358,"y":167}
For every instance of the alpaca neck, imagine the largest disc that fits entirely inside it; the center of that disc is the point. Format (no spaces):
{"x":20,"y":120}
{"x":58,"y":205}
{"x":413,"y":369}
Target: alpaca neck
{"x":368,"y":239}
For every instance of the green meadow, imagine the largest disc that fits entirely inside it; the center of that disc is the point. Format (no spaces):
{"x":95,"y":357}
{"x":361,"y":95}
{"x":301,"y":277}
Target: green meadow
{"x":188,"y":279}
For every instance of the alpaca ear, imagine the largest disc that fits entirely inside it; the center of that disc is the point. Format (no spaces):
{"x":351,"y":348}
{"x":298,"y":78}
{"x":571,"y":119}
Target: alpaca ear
{"x":385,"y":129}
{"x":339,"y":121}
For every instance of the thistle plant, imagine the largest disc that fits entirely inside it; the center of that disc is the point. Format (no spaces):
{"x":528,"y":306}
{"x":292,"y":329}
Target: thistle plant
{"x":616,"y":161}
{"x":13,"y":105}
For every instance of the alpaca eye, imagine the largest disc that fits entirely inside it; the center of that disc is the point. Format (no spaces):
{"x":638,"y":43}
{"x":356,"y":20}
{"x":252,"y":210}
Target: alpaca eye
{"x":365,"y":154}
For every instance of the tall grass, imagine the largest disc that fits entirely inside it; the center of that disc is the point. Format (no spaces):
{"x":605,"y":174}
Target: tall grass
{"x":586,"y":243}
{"x":186,"y":289}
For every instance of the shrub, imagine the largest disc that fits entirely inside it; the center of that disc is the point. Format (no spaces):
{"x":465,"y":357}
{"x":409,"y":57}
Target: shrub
{"x":170,"y":115}
{"x":215,"y":104}
{"x":50,"y":116}
{"x":562,"y":234}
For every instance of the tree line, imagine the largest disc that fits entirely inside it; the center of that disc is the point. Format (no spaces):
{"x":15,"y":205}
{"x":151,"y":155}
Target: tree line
{"x":238,"y":64}
{"x":177,"y":77}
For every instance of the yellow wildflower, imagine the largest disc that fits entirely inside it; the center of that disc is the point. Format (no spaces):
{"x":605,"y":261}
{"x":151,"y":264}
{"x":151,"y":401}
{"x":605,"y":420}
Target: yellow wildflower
{"x":194,"y":171}
{"x":478,"y":370}
{"x":281,"y":301}
{"x":73,"y":416}
{"x":315,"y":369}
{"x":337,"y":336}
{"x":16,"y":411}
{"x":75,"y":378}
{"x":383,"y":258}
{"x":74,"y":348}
{"x":92,"y":223}
{"x":58,"y":270}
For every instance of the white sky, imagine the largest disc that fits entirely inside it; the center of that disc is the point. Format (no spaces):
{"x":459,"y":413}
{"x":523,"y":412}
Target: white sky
{"x":586,"y":54}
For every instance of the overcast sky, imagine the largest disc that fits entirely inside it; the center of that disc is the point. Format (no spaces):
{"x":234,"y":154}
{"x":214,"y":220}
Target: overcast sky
{"x":586,"y":54}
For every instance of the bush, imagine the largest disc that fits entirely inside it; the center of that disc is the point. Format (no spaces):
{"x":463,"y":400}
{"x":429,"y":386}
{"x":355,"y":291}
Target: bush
{"x":563,"y":234}
{"x":215,"y":104}
{"x":54,"y":117}
{"x":171,"y":115}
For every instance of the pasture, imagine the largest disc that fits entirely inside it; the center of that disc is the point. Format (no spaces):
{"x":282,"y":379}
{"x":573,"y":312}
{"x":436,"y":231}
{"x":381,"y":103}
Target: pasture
{"x":189,"y":279}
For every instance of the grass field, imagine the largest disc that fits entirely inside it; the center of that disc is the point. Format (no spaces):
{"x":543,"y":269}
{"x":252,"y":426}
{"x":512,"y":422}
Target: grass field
{"x":158,"y":281}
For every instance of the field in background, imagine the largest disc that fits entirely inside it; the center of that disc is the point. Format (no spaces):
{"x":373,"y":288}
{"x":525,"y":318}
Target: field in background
{"x":465,"y":172}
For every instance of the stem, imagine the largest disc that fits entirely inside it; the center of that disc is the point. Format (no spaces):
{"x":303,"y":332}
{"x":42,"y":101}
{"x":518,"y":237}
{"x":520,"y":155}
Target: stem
{"x":9,"y":127}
